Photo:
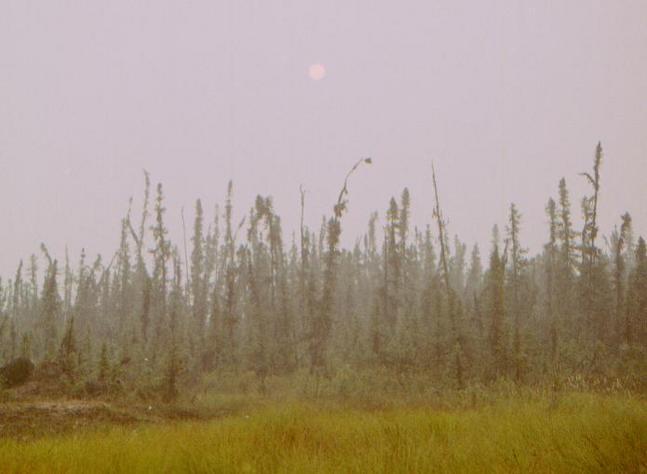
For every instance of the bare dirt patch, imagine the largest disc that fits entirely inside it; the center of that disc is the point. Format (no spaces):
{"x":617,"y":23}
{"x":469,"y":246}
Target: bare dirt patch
{"x":33,"y":418}
{"x":41,"y":418}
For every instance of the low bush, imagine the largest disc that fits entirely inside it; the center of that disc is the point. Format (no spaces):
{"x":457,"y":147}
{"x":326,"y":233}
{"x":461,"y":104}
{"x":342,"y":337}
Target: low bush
{"x":16,"y":372}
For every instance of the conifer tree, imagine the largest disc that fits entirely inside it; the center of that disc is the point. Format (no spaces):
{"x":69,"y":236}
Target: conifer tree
{"x":50,"y":310}
{"x":230,"y":318}
{"x":124,"y":285}
{"x":619,"y":243}
{"x":473,"y":290}
{"x":635,"y":327}
{"x":142,"y":281}
{"x":496,"y":308}
{"x":173,"y":364}
{"x":322,"y":323}
{"x":198,"y":279}
{"x":161,"y":254}
{"x":565,"y":265}
{"x":33,"y":279}
{"x":551,"y":251}
{"x":17,"y":300}
{"x":517,"y":264}
{"x":104,"y":364}
{"x":454,"y":305}
{"x":68,"y":352}
{"x":67,"y":287}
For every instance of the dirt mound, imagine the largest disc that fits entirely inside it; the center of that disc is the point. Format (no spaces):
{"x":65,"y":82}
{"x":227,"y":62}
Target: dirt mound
{"x":35,"y":419}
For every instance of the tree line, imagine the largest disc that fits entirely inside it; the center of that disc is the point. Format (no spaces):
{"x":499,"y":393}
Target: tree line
{"x":236,"y":297}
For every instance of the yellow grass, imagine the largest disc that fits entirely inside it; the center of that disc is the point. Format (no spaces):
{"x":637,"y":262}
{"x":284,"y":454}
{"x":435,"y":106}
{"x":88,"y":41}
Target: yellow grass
{"x":582,"y":433}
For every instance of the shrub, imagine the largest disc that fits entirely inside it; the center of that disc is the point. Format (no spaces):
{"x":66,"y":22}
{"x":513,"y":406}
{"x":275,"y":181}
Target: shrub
{"x":16,"y":372}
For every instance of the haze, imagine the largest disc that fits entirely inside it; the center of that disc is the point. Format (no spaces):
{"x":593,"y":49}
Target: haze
{"x":505,"y":97}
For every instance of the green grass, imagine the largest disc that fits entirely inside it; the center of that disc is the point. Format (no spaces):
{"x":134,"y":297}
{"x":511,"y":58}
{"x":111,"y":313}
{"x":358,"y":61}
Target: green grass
{"x":582,"y":433}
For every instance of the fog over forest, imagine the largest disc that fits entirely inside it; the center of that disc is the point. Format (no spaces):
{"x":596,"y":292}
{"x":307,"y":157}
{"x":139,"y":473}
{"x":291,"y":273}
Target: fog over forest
{"x":236,"y":295}
{"x":319,"y":237}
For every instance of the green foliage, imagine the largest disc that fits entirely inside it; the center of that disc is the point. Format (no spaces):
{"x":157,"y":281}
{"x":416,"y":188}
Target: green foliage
{"x":68,"y":356}
{"x":104,"y":364}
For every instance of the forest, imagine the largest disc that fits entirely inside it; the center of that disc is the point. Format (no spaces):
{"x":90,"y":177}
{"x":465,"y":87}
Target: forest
{"x":157,"y":316}
{"x":408,"y":313}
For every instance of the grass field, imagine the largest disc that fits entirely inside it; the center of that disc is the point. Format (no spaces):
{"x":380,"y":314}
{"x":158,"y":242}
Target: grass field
{"x":580,"y":433}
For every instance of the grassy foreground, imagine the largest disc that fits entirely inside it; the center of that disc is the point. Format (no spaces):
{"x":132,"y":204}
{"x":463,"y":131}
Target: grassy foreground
{"x":582,"y":433}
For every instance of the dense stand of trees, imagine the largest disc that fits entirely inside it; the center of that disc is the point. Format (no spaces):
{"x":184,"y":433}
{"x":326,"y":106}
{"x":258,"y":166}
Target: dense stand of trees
{"x":236,"y":298}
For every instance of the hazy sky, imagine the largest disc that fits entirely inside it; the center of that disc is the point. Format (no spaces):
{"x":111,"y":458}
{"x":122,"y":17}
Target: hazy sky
{"x":505,"y":97}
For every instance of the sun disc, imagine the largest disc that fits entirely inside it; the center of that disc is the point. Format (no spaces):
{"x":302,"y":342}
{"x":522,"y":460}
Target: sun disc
{"x":317,"y":72}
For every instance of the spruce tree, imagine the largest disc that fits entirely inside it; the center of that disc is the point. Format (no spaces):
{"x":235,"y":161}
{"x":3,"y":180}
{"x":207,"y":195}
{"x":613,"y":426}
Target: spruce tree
{"x":198,"y":280}
{"x":516,"y":275}
{"x":161,"y":255}
{"x":50,"y":311}
{"x":566,"y":263}
{"x":68,"y":352}
{"x":619,"y":243}
{"x":635,"y":327}
{"x":495,"y":294}
{"x":550,"y":257}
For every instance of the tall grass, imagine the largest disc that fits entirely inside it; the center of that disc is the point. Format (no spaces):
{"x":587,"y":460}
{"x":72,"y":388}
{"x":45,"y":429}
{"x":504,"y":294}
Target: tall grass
{"x":582,"y":433}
